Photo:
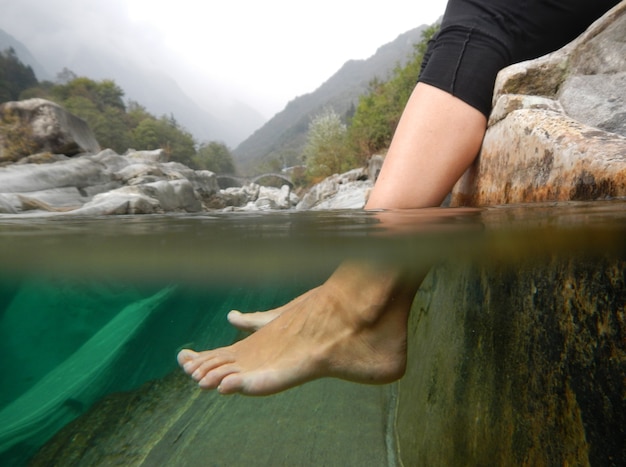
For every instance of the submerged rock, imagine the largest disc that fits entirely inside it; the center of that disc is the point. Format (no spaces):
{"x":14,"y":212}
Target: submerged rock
{"x":517,"y":364}
{"x":84,"y":376}
{"x":171,"y":422}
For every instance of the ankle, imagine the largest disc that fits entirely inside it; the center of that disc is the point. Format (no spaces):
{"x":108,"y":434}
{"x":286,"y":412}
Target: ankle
{"x":369,"y":290}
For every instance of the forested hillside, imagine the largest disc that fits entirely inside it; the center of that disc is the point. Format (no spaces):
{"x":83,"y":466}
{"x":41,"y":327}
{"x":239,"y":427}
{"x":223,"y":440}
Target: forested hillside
{"x":279,"y":143}
{"x":334,"y":146}
{"x":117,"y":124}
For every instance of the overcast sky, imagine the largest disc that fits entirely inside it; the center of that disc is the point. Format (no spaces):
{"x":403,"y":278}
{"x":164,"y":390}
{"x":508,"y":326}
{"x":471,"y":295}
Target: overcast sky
{"x":266,"y":52}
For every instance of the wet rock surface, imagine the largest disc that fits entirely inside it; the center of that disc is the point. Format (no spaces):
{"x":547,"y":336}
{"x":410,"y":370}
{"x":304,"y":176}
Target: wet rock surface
{"x":171,"y":422}
{"x":517,"y":364}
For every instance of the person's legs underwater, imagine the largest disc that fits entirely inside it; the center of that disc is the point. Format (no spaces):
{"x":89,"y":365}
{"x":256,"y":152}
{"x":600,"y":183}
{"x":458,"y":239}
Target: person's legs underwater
{"x":354,"y":325}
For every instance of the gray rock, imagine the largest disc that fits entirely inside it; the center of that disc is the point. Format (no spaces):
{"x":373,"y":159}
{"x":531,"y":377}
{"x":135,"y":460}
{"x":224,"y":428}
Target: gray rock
{"x":47,"y":127}
{"x":597,"y":101}
{"x":105,"y":183}
{"x":508,"y":359}
{"x":113,"y":202}
{"x":278,"y":197}
{"x":344,"y":191}
{"x":253,"y":197}
{"x":76,"y":172}
{"x":558,"y":128}
{"x":9,"y":204}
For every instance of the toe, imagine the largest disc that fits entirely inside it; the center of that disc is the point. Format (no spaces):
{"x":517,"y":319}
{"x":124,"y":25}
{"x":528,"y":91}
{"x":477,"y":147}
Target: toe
{"x":233,"y":316}
{"x":230,"y":384}
{"x":213,"y":378}
{"x":185,"y":356}
{"x":199,"y":368}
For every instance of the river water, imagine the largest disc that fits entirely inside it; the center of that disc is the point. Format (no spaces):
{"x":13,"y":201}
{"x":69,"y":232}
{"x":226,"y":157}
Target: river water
{"x":95,"y":306}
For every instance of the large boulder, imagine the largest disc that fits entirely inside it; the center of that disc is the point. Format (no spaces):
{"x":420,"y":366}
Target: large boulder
{"x":253,"y":197}
{"x":516,"y":363}
{"x":40,"y":126}
{"x":340,"y":191}
{"x":558,"y":128}
{"x":522,"y":362}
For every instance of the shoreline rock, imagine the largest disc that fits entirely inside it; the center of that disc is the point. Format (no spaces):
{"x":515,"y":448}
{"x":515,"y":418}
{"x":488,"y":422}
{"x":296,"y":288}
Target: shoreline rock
{"x":40,"y":126}
{"x":558,"y":128}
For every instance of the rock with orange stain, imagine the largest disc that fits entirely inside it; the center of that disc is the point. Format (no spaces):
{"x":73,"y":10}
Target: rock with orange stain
{"x":558,"y":127}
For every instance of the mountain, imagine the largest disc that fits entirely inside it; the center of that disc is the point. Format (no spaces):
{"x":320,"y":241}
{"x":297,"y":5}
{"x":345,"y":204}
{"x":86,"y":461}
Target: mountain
{"x":282,"y":137}
{"x":8,"y":41}
{"x":150,"y":87}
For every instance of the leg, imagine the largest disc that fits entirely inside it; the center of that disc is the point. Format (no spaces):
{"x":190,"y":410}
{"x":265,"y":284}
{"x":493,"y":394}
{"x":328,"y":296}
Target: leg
{"x":421,"y":167}
{"x":437,"y":138}
{"x":353,"y":326}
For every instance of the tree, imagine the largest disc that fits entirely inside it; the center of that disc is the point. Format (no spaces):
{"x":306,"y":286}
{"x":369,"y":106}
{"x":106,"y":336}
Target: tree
{"x":325,"y":152}
{"x":15,"y":77}
{"x":65,"y":76}
{"x":102,"y":94}
{"x":214,"y":156}
{"x":164,"y":133}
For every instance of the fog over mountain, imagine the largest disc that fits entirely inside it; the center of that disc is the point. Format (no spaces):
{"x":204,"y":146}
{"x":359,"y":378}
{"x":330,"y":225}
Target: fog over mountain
{"x":212,"y":113}
{"x":222,"y":68}
{"x":254,"y":140}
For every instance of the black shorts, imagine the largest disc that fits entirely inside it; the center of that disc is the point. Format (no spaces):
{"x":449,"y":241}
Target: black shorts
{"x":480,"y":37}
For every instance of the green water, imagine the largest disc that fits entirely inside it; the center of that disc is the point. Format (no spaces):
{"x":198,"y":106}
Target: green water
{"x":91,"y":307}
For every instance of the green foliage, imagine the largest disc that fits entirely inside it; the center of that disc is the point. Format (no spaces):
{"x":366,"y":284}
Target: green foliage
{"x":15,"y":77}
{"x":116,"y":125}
{"x":101,"y":94}
{"x":214,"y":156}
{"x":332,"y":147}
{"x":17,"y":138}
{"x":325,"y":152}
{"x":164,"y":133}
{"x":379,"y":111}
{"x":101,"y":104}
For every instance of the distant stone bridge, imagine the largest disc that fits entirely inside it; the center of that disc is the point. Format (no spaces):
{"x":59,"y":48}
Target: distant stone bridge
{"x":223,"y":180}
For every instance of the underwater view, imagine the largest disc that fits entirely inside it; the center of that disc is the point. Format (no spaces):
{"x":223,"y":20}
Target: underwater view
{"x":94,"y":310}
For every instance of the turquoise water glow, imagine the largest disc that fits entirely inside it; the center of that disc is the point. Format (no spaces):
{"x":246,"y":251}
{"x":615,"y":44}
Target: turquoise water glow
{"x":91,"y":307}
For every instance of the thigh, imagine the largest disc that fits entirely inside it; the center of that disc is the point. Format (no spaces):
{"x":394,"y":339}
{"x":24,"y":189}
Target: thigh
{"x":478,"y":38}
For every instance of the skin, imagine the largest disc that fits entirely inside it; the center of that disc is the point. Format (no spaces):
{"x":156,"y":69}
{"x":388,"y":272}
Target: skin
{"x":354,"y":325}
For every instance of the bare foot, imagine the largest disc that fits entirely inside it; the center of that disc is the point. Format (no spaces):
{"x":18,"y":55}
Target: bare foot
{"x":341,"y":329}
{"x":251,"y":322}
